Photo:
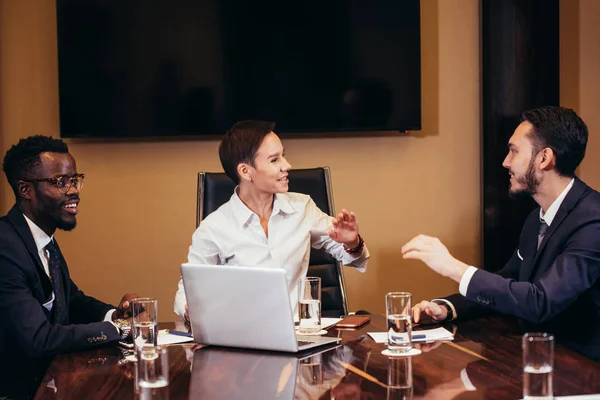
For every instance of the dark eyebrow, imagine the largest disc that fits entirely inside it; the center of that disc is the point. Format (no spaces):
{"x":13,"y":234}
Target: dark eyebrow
{"x":275,"y":154}
{"x":512,"y":146}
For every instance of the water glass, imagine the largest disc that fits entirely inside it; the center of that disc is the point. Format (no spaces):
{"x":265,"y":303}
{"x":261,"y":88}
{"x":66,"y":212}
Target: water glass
{"x":153,"y":373}
{"x":538,"y":363}
{"x":309,"y":304}
{"x":398,"y":307}
{"x":400,"y":378}
{"x":145,"y":322}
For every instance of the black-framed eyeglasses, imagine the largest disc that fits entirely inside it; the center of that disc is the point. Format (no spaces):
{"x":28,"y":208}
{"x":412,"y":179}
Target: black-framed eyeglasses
{"x":63,"y":182}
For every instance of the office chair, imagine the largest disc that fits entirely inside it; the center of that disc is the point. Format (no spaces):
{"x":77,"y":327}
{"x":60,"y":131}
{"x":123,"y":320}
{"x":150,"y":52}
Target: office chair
{"x":215,"y":189}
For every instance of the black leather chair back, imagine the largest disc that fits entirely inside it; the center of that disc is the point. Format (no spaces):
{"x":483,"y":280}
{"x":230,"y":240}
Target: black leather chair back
{"x":215,"y":189}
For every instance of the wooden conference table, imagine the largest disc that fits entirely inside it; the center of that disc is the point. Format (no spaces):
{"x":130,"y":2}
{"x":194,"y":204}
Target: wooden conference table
{"x":488,"y":357}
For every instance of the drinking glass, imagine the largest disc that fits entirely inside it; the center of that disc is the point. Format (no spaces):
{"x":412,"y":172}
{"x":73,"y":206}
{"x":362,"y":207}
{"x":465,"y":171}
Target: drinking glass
{"x":398,"y":309}
{"x":309,"y":304}
{"x":538,"y":364}
{"x":145,"y":322}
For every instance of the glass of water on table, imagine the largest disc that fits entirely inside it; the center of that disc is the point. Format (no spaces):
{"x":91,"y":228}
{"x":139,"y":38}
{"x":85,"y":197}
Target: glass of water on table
{"x":398,"y":307}
{"x":538,"y":365}
{"x":145,"y":322}
{"x":309,"y":305}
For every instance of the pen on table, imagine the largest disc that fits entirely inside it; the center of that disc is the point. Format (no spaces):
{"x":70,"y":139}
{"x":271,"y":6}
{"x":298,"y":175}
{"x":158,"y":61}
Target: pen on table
{"x":180,"y":333}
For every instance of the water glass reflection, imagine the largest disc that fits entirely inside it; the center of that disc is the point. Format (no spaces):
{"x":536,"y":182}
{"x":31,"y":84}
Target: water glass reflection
{"x":400,"y":379}
{"x":153,"y":373}
{"x":311,"y":370}
{"x":538,"y":365}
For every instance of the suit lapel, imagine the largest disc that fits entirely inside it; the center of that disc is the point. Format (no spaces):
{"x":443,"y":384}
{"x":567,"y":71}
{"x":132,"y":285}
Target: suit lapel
{"x":18,"y":221}
{"x":565,"y":208}
{"x":528,"y":246}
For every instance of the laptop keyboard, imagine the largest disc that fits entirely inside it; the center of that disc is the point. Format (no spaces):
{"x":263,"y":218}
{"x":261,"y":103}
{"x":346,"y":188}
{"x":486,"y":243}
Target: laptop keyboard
{"x":303,"y":343}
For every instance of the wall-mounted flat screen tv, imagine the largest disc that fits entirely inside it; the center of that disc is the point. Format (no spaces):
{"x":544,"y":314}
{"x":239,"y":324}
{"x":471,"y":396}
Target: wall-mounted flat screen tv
{"x":130,"y":68}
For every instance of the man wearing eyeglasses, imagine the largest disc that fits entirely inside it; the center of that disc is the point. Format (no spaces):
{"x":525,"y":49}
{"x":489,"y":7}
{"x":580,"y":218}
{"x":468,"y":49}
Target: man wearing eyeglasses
{"x":42,"y":311}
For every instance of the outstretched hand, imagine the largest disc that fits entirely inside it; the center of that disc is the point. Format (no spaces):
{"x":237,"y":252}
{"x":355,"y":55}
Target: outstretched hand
{"x":345,"y":229}
{"x":435,"y":255}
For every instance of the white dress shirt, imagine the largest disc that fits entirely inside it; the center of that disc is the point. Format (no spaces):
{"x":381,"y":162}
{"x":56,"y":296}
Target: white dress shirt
{"x":546,"y":217}
{"x":232,"y":235}
{"x":41,"y":241}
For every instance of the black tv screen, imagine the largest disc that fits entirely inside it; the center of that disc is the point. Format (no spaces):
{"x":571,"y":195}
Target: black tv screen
{"x":194,"y":67}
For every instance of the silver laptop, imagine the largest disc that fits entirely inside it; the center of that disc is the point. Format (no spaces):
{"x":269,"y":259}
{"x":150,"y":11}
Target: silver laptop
{"x":246,"y":307}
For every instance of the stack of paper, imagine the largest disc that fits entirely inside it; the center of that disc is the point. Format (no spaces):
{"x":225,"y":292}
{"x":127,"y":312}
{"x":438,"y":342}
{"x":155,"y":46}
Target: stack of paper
{"x":429,"y":335}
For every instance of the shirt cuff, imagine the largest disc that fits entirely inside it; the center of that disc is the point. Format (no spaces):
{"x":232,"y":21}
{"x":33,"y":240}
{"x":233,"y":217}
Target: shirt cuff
{"x":108,"y":316}
{"x":465,"y":280}
{"x":454,"y":315}
{"x":464,"y":377}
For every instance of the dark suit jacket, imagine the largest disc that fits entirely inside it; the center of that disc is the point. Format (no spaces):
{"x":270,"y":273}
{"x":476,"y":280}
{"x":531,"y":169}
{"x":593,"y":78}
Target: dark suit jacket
{"x":27,"y":334}
{"x":556,"y":288}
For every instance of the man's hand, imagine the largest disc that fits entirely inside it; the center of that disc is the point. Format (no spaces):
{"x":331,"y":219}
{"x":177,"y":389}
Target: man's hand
{"x":124,"y":309}
{"x":345,"y":229}
{"x":437,"y":257}
{"x":427,"y":312}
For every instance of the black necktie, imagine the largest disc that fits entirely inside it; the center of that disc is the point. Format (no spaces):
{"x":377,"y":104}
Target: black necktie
{"x":59,"y":308}
{"x":542,"y":232}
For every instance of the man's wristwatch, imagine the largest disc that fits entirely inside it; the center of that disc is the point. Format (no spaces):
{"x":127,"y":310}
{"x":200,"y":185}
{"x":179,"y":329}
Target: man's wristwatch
{"x":123,"y":326}
{"x":449,"y":313}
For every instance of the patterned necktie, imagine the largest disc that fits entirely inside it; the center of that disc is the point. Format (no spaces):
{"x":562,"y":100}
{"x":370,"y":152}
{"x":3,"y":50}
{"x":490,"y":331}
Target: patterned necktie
{"x":59,"y":308}
{"x":543,"y":228}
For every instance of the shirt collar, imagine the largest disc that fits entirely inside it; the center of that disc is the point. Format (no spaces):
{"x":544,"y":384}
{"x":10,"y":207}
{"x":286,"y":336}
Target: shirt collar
{"x":39,"y":236}
{"x":549,"y":215}
{"x":242,"y":214}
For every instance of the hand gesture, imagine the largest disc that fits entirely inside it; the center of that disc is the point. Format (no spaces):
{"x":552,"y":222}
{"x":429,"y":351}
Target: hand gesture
{"x":427,"y":312}
{"x":124,"y":308}
{"x":435,"y":255}
{"x":345,"y":229}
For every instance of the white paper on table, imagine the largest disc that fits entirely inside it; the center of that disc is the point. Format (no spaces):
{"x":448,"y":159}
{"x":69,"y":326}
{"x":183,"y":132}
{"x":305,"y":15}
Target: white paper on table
{"x":431,"y":335}
{"x":329,"y":322}
{"x":164,"y":338}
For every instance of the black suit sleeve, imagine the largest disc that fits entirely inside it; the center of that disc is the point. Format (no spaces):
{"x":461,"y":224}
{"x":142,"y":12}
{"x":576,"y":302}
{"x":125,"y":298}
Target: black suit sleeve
{"x":574,"y":271}
{"x":84,"y":309}
{"x":24,"y":319}
{"x":466,"y":309}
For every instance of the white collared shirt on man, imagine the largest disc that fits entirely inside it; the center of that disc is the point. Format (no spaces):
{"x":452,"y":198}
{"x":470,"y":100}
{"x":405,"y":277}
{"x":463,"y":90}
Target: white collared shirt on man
{"x":232,"y":235}
{"x":41,"y":240}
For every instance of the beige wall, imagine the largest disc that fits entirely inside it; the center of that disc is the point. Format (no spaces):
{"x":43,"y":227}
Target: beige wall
{"x":580,"y":74}
{"x":138,"y":204}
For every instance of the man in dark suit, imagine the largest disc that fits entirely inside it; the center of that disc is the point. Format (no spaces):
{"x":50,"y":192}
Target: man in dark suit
{"x":42,"y":311}
{"x":551,"y":282}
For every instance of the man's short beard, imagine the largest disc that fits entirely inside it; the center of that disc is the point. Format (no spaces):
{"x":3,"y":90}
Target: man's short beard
{"x":65,"y":226}
{"x":529,"y":181}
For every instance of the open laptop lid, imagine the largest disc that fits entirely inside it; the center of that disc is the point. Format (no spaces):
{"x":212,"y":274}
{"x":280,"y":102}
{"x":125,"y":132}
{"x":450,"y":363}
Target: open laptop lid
{"x":226,"y":300}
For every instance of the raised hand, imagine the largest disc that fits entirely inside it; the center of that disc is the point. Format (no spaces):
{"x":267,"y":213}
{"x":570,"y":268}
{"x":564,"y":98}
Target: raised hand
{"x":435,"y":255}
{"x":345,"y":229}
